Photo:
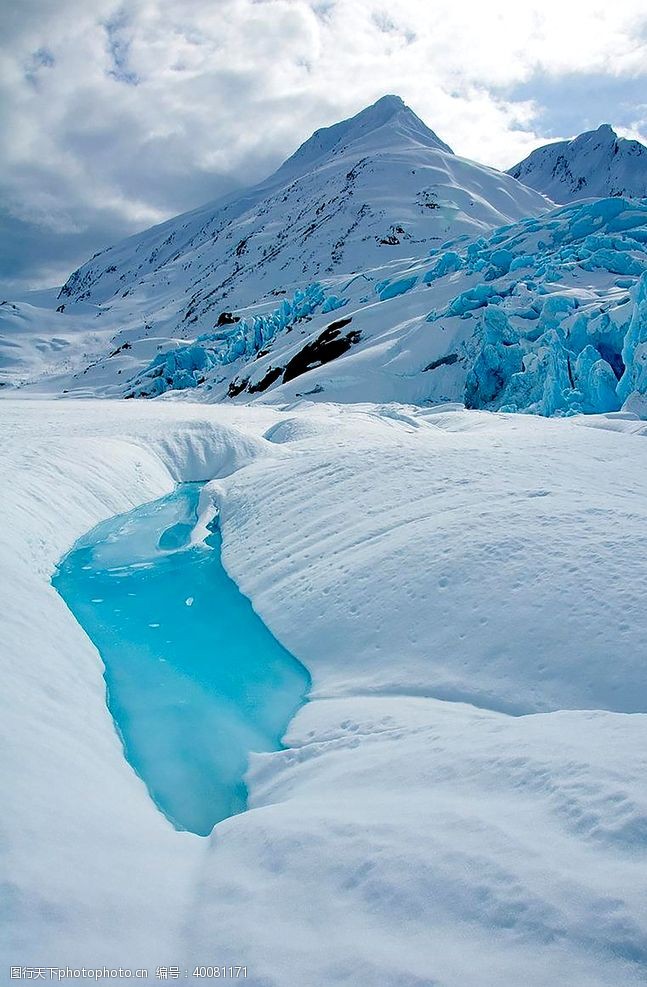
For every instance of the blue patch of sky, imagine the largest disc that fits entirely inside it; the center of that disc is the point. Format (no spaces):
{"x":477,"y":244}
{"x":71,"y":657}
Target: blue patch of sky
{"x":576,"y":102}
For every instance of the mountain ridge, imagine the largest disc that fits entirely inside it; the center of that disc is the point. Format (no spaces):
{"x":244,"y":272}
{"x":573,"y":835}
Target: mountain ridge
{"x":595,"y":163}
{"x":381,"y":179}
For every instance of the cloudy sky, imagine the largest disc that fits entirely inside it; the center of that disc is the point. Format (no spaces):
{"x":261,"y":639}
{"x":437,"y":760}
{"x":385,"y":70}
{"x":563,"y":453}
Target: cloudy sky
{"x":116,"y":115}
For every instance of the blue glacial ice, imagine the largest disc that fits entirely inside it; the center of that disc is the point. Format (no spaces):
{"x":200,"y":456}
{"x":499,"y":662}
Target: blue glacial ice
{"x":391,"y":289}
{"x":634,"y":351}
{"x":447,"y":263}
{"x":332,"y":303}
{"x":570,"y":337}
{"x":538,"y":347}
{"x":188,"y":366}
{"x":194,"y":678}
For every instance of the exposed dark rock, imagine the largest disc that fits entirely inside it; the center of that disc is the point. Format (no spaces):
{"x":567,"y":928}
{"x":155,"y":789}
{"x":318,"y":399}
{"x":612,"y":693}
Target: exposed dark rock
{"x":340,"y":323}
{"x":443,"y":361}
{"x":226,"y":319}
{"x":237,"y":387}
{"x":317,"y":389}
{"x":262,"y":385}
{"x":120,"y":349}
{"x":393,"y":237}
{"x":326,"y":347}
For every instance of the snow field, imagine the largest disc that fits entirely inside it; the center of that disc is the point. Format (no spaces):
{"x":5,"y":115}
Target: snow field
{"x":415,"y":831}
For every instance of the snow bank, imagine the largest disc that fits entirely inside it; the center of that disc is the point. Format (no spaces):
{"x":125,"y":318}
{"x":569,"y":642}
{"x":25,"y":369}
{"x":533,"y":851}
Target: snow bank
{"x":422,"y":564}
{"x":462,"y":565}
{"x":205,"y":451}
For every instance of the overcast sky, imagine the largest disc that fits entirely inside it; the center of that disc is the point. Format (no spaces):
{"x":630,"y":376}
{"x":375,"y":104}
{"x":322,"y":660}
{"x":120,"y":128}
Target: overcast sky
{"x":116,"y":116}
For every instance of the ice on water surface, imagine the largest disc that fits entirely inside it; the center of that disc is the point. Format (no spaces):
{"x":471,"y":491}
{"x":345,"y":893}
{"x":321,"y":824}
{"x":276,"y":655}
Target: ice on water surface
{"x":192,"y":688}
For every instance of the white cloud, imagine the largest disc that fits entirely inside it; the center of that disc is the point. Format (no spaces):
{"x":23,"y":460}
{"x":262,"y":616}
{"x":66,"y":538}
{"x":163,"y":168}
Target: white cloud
{"x":118,"y":115}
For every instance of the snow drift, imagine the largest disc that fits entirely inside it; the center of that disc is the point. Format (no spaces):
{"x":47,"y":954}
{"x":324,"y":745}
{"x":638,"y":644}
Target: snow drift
{"x":436,"y":572}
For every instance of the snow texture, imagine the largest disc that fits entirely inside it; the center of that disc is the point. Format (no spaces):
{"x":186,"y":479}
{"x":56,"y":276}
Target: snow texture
{"x":462,"y":801}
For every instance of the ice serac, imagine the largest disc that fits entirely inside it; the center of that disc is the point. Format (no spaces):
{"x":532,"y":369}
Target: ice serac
{"x":597,"y":163}
{"x":634,"y":353}
{"x":375,"y":188}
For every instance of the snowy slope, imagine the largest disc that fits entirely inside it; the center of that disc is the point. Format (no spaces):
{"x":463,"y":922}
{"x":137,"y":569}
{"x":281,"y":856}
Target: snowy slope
{"x":542,"y":314}
{"x":545,"y":315}
{"x":39,"y":343}
{"x":597,"y":163}
{"x":438,"y":572}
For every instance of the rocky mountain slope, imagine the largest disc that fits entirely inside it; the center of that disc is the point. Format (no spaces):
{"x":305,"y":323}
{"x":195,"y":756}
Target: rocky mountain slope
{"x":369,"y":192}
{"x":377,"y":187}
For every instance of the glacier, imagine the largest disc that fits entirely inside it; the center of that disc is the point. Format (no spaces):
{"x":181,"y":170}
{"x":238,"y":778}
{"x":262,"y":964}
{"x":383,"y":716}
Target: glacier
{"x":186,"y":366}
{"x":546,"y":314}
{"x":239,"y":301}
{"x":576,"y":356}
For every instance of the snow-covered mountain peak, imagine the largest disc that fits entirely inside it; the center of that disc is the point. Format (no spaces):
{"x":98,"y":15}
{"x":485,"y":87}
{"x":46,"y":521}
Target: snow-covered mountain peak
{"x":364,"y":192}
{"x":380,"y":125}
{"x":376,"y":190}
{"x":606,"y":130}
{"x":595,"y":163}
{"x":602,"y":139}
